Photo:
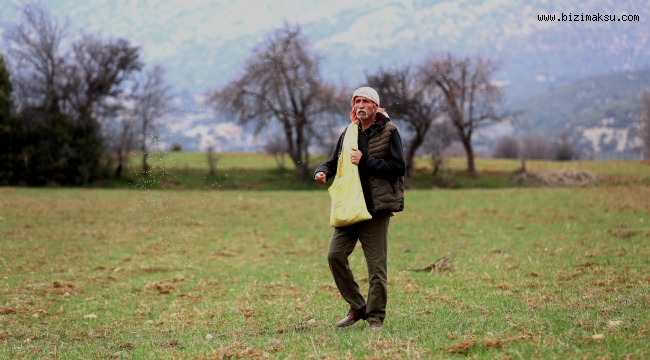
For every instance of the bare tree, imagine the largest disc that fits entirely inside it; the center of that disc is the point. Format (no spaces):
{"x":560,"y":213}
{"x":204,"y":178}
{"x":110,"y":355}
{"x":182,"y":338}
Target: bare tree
{"x":281,"y":83}
{"x":34,"y":47}
{"x":74,"y":82}
{"x":644,"y":129}
{"x":95,"y":73}
{"x":439,"y":138}
{"x":151,"y":96}
{"x":536,"y":148}
{"x":277,"y":147}
{"x":471,"y":98}
{"x":213,"y":159}
{"x":120,"y":134}
{"x":403,"y":93}
{"x":506,"y":148}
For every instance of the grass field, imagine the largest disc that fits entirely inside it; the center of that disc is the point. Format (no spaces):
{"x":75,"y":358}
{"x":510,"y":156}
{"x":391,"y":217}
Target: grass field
{"x":245,"y":171}
{"x":536,"y":273}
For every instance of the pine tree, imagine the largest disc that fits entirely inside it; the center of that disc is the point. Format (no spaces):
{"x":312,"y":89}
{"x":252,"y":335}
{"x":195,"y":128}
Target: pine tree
{"x":5,"y":91}
{"x":11,"y":132}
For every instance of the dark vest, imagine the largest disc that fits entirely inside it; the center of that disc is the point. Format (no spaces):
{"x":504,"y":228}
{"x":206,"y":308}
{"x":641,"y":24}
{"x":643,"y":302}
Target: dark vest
{"x":387,"y":194}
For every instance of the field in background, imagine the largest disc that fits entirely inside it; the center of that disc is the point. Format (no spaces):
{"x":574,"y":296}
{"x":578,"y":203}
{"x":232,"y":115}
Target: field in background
{"x":247,"y":171}
{"x":536,"y":273}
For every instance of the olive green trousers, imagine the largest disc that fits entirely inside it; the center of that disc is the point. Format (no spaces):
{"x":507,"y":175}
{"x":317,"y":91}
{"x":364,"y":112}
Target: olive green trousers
{"x":373,"y":235}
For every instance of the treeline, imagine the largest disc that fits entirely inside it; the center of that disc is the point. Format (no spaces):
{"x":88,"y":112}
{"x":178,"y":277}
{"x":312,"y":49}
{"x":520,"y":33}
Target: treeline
{"x":74,"y":107}
{"x":536,"y":148}
{"x":70,"y":115}
{"x":442,"y":99}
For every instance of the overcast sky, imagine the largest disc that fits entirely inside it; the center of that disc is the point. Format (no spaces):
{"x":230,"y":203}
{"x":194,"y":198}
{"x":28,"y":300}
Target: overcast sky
{"x":202,"y":42}
{"x":212,"y":37}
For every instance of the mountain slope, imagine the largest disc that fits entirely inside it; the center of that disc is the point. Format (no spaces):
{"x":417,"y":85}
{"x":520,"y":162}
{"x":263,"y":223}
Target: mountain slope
{"x":601,"y":113}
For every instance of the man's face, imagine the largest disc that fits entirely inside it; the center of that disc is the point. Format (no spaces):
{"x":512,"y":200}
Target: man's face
{"x":364,"y":108}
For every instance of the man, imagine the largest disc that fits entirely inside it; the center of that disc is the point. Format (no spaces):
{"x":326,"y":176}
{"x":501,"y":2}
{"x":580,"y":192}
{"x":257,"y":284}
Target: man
{"x":380,"y":159}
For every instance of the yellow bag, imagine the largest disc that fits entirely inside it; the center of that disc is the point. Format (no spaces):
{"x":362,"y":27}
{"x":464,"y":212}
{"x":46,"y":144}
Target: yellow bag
{"x":348,"y":203}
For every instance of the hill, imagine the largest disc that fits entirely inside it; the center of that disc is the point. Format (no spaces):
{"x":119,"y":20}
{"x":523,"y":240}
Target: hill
{"x":600,"y":113}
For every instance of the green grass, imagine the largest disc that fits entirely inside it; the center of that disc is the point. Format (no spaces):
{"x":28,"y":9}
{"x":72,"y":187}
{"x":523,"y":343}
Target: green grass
{"x":241,"y":171}
{"x":537,"y":273}
{"x":198,"y":160}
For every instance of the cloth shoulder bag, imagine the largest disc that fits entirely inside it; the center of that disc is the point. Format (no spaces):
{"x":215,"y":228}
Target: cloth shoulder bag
{"x":348,"y":203}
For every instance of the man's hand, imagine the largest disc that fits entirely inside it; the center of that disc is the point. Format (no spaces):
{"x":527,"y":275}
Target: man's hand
{"x":320,"y":178}
{"x":356,"y":156}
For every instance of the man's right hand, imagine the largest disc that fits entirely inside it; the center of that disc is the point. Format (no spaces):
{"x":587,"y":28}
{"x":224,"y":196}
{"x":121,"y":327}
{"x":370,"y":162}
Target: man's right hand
{"x":320,"y":178}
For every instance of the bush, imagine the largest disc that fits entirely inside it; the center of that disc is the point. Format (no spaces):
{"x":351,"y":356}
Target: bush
{"x":538,"y":148}
{"x":52,"y":149}
{"x":564,"y":149}
{"x":176,"y":147}
{"x":506,"y":148}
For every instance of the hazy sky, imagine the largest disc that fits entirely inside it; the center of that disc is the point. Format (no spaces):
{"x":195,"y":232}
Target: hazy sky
{"x":218,"y":33}
{"x":202,"y":42}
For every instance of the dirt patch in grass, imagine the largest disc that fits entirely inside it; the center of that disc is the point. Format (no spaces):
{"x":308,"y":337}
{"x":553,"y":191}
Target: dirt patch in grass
{"x":566,"y":177}
{"x":465,"y":346}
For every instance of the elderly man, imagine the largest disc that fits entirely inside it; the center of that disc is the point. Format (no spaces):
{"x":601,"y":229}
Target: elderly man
{"x":380,"y":160}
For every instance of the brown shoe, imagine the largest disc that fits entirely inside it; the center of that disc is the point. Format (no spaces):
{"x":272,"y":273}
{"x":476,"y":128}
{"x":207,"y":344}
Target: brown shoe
{"x":375,"y":325}
{"x":352,"y":318}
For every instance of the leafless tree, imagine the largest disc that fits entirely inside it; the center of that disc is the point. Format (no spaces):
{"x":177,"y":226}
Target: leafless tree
{"x":536,"y":148}
{"x":281,"y":82}
{"x":151,"y":96}
{"x":439,"y":138}
{"x":73,"y":82}
{"x":506,"y":148}
{"x":213,"y":159}
{"x":95,"y":75}
{"x":644,"y":129}
{"x":471,"y":97}
{"x":34,"y":48}
{"x":121,"y":137}
{"x":405,"y":96}
{"x":276,"y":146}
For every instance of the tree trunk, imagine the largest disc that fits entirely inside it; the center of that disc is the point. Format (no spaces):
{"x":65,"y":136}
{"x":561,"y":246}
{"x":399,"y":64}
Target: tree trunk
{"x":118,"y":171}
{"x":467,"y":144}
{"x":301,"y":171}
{"x":210,"y":161}
{"x":437,"y":164}
{"x":145,"y":166}
{"x":300,"y":155}
{"x":410,"y":154}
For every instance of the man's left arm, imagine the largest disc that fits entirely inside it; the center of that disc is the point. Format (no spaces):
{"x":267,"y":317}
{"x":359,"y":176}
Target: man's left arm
{"x":392,"y":165}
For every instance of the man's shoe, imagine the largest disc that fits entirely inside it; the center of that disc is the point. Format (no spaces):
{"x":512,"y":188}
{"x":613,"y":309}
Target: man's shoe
{"x":375,"y":325}
{"x":352,"y":318}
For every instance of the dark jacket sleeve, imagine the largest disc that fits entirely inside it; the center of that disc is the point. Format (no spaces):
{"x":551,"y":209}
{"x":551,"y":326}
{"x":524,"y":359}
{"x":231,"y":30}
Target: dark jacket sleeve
{"x":392,"y":165}
{"x":329,"y":167}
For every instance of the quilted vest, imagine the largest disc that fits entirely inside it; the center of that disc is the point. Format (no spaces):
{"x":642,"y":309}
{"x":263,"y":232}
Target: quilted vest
{"x":387,"y":194}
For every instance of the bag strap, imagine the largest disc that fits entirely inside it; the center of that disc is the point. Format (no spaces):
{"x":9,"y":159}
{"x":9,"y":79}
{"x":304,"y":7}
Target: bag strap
{"x":346,"y":148}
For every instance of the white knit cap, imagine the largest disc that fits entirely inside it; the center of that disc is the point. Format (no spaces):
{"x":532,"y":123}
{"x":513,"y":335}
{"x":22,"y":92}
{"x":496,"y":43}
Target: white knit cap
{"x":369,"y":93}
{"x":366,"y":92}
